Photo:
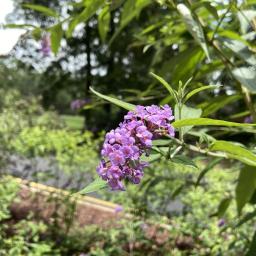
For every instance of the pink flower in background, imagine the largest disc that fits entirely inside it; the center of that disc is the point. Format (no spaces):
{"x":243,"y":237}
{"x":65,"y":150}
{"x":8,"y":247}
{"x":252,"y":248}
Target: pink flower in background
{"x":46,"y":45}
{"x":79,"y":103}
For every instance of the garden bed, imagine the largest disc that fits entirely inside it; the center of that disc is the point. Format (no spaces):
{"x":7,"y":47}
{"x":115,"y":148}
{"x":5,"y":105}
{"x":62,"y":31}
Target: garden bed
{"x":44,"y":201}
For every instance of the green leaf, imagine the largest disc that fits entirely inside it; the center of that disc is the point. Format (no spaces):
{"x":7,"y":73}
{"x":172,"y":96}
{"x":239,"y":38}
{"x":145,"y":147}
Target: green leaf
{"x":193,"y":27}
{"x":197,"y":90}
{"x":223,"y":206}
{"x":252,"y":249}
{"x":249,"y":216}
{"x":247,"y":77}
{"x":234,"y":151}
{"x":91,"y":7}
{"x":96,"y":185}
{"x":183,"y":160}
{"x":131,"y":9}
{"x":241,"y":50}
{"x":211,"y":106}
{"x":246,"y":185}
{"x":22,"y":26}
{"x":56,"y":36}
{"x":117,"y":102}
{"x":45,"y":10}
{"x":245,"y":17}
{"x":151,"y":158}
{"x":103,"y":23}
{"x":207,"y":121}
{"x":166,"y":85}
{"x":207,"y":169}
{"x":185,"y":113}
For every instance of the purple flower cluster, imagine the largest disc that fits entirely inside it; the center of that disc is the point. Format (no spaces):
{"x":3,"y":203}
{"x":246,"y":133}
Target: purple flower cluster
{"x":78,"y":103}
{"x":124,"y":146}
{"x":46,"y":45}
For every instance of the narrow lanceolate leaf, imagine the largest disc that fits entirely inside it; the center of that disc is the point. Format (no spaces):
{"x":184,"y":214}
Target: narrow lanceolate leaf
{"x":235,"y":152}
{"x":245,"y":186}
{"x":223,"y":206}
{"x":247,"y":77}
{"x":166,"y":85}
{"x":117,"y":102}
{"x":207,"y":121}
{"x":193,"y":27}
{"x":56,"y":36}
{"x":207,"y":87}
{"x":96,"y":185}
{"x":45,"y":10}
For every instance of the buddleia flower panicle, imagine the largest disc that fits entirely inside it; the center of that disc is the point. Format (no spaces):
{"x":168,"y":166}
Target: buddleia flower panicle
{"x":123,"y":147}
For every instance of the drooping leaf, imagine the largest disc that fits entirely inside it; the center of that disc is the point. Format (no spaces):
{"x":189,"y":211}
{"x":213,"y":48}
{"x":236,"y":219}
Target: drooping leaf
{"x":186,"y":112}
{"x":183,"y":160}
{"x":103,"y":23}
{"x":45,"y":10}
{"x":197,"y":90}
{"x":235,"y":151}
{"x":56,"y":36}
{"x":247,"y":77}
{"x":96,"y":185}
{"x":208,"y":167}
{"x":246,"y":185}
{"x":117,"y":102}
{"x":193,"y":27}
{"x":207,"y":121}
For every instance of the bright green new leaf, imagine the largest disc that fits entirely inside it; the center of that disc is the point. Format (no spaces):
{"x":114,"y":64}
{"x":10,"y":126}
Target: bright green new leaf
{"x":235,"y":152}
{"x":207,"y":121}
{"x":103,"y":23}
{"x":96,"y":185}
{"x":56,"y":36}
{"x":45,"y":10}
{"x":117,"y":102}
{"x":186,"y":112}
{"x":247,"y":77}
{"x":193,"y":27}
{"x":246,"y":185}
{"x":197,"y":90}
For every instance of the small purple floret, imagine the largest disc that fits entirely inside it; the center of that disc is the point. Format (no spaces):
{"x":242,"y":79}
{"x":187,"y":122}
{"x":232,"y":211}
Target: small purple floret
{"x":124,"y":146}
